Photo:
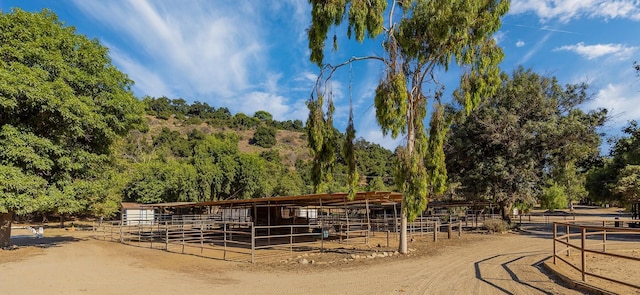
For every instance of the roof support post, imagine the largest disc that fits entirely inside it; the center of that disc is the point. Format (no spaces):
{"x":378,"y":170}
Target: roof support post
{"x":366,"y":204}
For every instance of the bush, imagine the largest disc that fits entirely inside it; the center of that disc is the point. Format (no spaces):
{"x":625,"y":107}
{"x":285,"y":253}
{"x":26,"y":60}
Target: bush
{"x":495,"y":225}
{"x":264,"y":137}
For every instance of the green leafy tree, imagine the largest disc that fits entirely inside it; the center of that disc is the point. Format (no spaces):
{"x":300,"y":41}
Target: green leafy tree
{"x":263,"y":116}
{"x":290,"y":184}
{"x":603,"y":179}
{"x":628,"y":183}
{"x":421,"y":37}
{"x":531,"y":131}
{"x":215,"y":160}
{"x":264,"y":137}
{"x":249,"y":181}
{"x":376,"y":184}
{"x":62,"y":105}
{"x":553,"y":197}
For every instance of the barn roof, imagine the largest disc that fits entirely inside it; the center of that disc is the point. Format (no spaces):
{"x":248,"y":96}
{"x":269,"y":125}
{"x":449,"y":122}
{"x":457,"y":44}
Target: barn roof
{"x":331,"y":199}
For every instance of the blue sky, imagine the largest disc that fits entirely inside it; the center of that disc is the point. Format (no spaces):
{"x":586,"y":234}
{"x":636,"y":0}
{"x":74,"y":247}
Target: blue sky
{"x":252,"y":55}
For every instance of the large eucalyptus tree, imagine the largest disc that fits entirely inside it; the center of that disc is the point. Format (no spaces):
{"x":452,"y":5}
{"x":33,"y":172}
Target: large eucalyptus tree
{"x":419,"y":38}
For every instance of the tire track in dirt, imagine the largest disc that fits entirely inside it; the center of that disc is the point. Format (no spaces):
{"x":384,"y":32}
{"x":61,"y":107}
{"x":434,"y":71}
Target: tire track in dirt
{"x":505,"y":265}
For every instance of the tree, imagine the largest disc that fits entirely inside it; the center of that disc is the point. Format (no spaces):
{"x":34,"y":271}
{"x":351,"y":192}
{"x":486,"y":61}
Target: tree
{"x":421,"y":37}
{"x":264,"y":137}
{"x":553,"y":197}
{"x":263,"y":116}
{"x":63,"y":104}
{"x":215,"y":160}
{"x":376,"y":184}
{"x":613,"y":180}
{"x":628,"y":183}
{"x":530,"y":132}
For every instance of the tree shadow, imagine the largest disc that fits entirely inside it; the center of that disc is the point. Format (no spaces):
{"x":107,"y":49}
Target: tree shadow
{"x":506,"y":266}
{"x":44,"y":242}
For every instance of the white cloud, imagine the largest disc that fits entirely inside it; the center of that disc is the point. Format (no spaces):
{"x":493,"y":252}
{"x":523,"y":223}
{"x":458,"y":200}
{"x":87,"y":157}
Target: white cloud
{"x":146,"y":79}
{"x":367,"y":127}
{"x":499,"y":36}
{"x":520,"y":43}
{"x":566,"y":10}
{"x":279,"y":107}
{"x":622,"y":102}
{"x":594,"y":51}
{"x":196,"y":49}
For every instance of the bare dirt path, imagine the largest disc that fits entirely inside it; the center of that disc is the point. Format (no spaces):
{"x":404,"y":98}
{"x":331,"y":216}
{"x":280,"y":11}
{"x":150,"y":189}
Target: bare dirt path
{"x":490,"y":264}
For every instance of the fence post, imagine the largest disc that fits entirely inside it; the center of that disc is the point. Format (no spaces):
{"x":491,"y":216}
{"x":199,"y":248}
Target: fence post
{"x":201,"y":237}
{"x":121,"y":239}
{"x":166,"y":236}
{"x":291,"y":239}
{"x":435,"y":231}
{"x":387,"y":238}
{"x":152,"y":233}
{"x":604,"y":239}
{"x":322,"y":238}
{"x":182,"y":227}
{"x":460,"y":228}
{"x":567,"y":231}
{"x":224,"y":231}
{"x":253,"y":243}
{"x":583,"y":234}
{"x":555,"y":235}
{"x":449,"y":230}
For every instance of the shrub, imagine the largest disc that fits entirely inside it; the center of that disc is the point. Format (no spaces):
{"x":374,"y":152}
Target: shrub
{"x":264,"y":137}
{"x":495,"y":225}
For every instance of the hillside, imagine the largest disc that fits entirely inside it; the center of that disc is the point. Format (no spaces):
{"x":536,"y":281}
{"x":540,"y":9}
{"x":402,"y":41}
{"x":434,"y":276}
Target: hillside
{"x":291,"y":145}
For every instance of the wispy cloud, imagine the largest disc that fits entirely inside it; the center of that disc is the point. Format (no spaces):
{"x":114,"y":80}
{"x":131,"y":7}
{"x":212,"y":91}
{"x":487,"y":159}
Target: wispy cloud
{"x":543,"y":28}
{"x":535,"y":48}
{"x":221,"y":53}
{"x":279,"y":106}
{"x":369,"y":129}
{"x":499,"y":36}
{"x":622,"y":102}
{"x":566,"y":10}
{"x":594,"y":51}
{"x":192,"y":46}
{"x":520,"y":43}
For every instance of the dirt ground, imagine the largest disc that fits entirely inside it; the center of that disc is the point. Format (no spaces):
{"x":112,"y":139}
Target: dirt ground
{"x":66,"y":262}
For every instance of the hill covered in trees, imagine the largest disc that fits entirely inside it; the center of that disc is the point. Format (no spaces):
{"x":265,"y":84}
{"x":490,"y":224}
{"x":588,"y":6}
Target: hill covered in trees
{"x":196,"y":152}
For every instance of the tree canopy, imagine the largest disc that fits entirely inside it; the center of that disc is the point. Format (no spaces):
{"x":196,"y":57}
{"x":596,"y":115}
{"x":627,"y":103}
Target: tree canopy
{"x":530,"y":135}
{"x":62,"y":105}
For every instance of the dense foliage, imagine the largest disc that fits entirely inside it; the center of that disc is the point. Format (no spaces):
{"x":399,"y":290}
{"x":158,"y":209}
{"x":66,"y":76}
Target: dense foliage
{"x":616,"y":179}
{"x":529,"y":137}
{"x":62,"y":105}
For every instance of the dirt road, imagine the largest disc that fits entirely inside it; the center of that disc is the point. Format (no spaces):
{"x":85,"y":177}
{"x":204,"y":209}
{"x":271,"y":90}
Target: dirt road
{"x":486,"y":264}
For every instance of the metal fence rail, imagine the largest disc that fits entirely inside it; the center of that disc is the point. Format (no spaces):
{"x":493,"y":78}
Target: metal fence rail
{"x":575,"y":236}
{"x":208,"y":236}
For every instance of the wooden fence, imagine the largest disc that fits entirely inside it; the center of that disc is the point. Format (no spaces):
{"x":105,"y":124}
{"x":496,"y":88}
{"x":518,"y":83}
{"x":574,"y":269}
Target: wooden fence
{"x":595,"y":238}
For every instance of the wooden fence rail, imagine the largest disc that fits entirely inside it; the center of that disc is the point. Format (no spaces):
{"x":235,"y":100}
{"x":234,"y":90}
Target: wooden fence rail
{"x":575,"y":236}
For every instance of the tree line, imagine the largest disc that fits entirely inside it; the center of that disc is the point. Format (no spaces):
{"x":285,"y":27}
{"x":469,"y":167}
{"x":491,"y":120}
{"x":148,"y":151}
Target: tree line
{"x":199,"y":112}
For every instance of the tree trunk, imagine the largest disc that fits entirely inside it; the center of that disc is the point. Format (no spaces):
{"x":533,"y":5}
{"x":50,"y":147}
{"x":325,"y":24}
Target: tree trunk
{"x":61,"y":221}
{"x":5,"y":228}
{"x":402,"y":247}
{"x":505,"y":209}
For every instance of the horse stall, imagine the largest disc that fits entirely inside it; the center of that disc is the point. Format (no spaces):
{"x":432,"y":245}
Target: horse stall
{"x":241,"y":229}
